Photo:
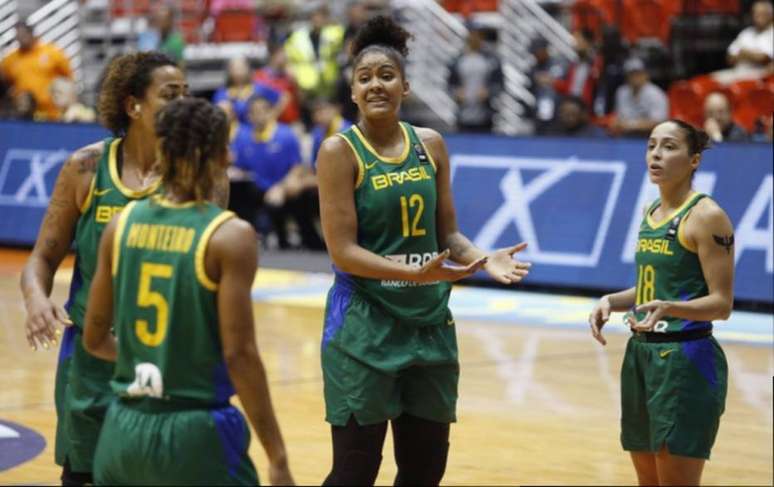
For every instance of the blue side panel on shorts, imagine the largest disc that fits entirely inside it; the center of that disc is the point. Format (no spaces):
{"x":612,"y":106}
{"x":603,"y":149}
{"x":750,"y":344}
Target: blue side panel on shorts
{"x":231,"y":429}
{"x":702,"y":354}
{"x":223,"y":387}
{"x":690,"y":324}
{"x":68,"y":343}
{"x":75,"y":284}
{"x":336,"y":309}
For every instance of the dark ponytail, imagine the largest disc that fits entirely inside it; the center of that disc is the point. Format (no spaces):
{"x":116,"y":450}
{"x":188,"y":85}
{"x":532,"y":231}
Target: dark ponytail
{"x":697,"y":139}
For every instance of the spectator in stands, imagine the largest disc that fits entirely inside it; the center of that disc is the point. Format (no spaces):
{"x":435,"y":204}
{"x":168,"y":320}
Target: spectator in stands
{"x":752,"y":52}
{"x":65,"y":96}
{"x":475,"y":80}
{"x":342,"y":92}
{"x":161,"y":34}
{"x":640,"y":105}
{"x":32,"y":67}
{"x":240,"y":88}
{"x":270,"y":150}
{"x":328,"y":120}
{"x":357,"y":15}
{"x":718,"y":122}
{"x":581,"y":77}
{"x":544,"y":73}
{"x":275,"y":75}
{"x":24,"y":106}
{"x":6,"y":102}
{"x":572,"y":120}
{"x":312,"y":57}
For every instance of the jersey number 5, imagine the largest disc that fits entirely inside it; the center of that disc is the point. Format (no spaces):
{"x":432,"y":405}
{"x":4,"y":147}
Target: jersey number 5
{"x":147,"y":298}
{"x":417,"y":201}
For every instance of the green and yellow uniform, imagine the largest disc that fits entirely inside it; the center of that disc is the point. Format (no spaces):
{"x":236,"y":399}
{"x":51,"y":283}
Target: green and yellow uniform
{"x":172,"y":422}
{"x":389,"y":347}
{"x":674,"y":379}
{"x":82,"y":392}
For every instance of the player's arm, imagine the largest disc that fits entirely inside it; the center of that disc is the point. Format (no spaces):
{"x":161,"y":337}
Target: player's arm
{"x":53,"y":242}
{"x":499,"y":264}
{"x":336,"y":176}
{"x":97,"y":338}
{"x":620,"y":301}
{"x":232,"y":259}
{"x":709,"y":230}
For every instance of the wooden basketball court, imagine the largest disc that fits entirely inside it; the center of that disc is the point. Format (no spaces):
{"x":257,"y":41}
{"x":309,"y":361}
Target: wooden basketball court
{"x":538,"y":405}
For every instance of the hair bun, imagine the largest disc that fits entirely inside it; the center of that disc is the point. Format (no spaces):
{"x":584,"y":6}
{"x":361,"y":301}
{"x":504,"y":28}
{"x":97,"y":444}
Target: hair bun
{"x":381,"y":31}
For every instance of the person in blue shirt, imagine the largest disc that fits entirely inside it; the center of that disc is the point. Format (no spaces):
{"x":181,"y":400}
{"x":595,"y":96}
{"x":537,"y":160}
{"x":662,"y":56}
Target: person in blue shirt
{"x":270,"y":151}
{"x":240,"y":87}
{"x":327,"y":122}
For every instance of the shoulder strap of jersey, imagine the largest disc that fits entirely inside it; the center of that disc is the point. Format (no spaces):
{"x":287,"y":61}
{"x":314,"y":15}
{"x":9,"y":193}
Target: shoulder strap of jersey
{"x":350,"y":138}
{"x":201,"y":249}
{"x":419,"y":148}
{"x":119,"y":235}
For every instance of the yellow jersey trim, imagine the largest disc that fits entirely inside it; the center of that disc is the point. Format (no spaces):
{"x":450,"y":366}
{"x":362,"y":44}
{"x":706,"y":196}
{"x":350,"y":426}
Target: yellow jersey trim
{"x":201,"y":249}
{"x":681,"y":235}
{"x":360,"y":165}
{"x":267,"y":133}
{"x":89,"y":196}
{"x":161,"y":201}
{"x":654,"y":225}
{"x":334,"y":126}
{"x":389,"y":160}
{"x":126,"y":191}
{"x":122,"y":217}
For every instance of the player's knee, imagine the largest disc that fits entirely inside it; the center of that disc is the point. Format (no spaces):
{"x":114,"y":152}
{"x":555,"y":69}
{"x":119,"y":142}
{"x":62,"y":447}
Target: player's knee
{"x":425,"y":467}
{"x":355,"y":467}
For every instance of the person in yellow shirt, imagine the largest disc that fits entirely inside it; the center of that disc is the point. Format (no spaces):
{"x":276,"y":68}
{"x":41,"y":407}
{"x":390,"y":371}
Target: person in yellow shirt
{"x":32,"y":67}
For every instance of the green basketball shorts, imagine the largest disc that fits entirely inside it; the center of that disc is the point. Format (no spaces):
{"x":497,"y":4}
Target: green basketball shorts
{"x":150,"y":442}
{"x":377,"y":368}
{"x":672,"y":394}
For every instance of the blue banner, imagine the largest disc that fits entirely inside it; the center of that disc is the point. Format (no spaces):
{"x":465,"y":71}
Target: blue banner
{"x":31,"y":156}
{"x":578,"y":203}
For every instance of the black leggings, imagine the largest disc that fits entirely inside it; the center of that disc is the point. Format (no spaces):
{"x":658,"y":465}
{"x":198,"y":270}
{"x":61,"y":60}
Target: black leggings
{"x":70,"y":478}
{"x":421,"y":449}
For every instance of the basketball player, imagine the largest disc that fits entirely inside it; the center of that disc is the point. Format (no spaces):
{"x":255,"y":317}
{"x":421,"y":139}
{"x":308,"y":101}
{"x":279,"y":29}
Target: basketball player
{"x":674,"y":375}
{"x":173,"y":278}
{"x":94,"y":184}
{"x":389,"y":350}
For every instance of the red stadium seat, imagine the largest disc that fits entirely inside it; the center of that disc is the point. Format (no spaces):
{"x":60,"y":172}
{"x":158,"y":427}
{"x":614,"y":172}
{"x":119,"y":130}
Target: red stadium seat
{"x":587,"y":15}
{"x":645,"y":19}
{"x":686,"y":103}
{"x":235,"y":26}
{"x":753,"y":104}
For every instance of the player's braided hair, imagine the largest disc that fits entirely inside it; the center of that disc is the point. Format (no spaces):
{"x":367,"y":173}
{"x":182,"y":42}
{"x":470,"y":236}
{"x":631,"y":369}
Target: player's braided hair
{"x":382,"y":34}
{"x":127,"y":75}
{"x":697,"y":139}
{"x":193,"y":135}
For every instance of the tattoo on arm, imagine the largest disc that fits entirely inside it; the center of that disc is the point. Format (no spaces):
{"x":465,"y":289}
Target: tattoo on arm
{"x":725,"y":241}
{"x":87,"y":160}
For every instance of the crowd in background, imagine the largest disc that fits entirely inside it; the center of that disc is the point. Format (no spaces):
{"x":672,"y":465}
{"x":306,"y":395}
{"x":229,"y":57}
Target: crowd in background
{"x":281,"y":112}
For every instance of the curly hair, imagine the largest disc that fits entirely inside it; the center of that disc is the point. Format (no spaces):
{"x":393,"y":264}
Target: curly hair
{"x":382,"y":34}
{"x":193,"y":135}
{"x":127,"y":75}
{"x":697,"y":139}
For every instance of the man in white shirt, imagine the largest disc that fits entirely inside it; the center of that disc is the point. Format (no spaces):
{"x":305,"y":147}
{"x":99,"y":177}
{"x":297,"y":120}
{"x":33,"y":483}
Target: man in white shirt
{"x":639,"y":104}
{"x":752,"y":51}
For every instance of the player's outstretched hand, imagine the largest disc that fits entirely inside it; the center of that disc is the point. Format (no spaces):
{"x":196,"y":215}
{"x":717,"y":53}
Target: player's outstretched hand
{"x":438,"y":270}
{"x":598,"y":317}
{"x":44,"y":319}
{"x":280,"y":475}
{"x":504,"y":268}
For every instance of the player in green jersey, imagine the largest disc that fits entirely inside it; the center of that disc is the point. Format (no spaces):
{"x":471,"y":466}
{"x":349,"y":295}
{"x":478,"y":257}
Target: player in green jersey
{"x":674,"y":374}
{"x":94,"y":183}
{"x":389,"y":350}
{"x":173,"y":278}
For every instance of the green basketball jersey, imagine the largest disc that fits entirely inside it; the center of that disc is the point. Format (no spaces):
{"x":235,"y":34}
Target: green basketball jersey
{"x":667,"y":269}
{"x":107,"y":196}
{"x":164,"y":304}
{"x":395,"y":200}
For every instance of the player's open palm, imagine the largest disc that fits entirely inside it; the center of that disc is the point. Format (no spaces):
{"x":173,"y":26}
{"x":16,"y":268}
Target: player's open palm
{"x":438,"y":270}
{"x":598,"y":317}
{"x":504,"y":268}
{"x":44,"y":318}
